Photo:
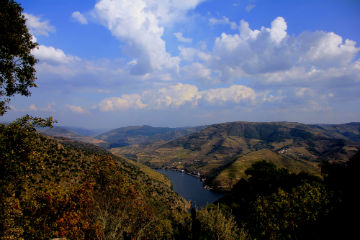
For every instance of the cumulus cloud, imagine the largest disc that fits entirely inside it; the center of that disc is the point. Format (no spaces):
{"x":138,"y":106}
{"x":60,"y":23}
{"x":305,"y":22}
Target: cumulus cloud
{"x":140,"y":25}
{"x":172,"y":96}
{"x":235,"y":93}
{"x":178,"y":95}
{"x":179,"y":36}
{"x":124,"y":102}
{"x":270,"y":55}
{"x":53,"y":55}
{"x":76,"y":109}
{"x":37,"y":26}
{"x":278,"y":29}
{"x":79,"y":17}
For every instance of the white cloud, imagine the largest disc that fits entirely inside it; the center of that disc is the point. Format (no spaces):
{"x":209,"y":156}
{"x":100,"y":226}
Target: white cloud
{"x":301,"y":92}
{"x":172,"y":96}
{"x":270,"y":55}
{"x":235,"y":93}
{"x":197,"y":71}
{"x":278,"y":29}
{"x":224,"y":20}
{"x":76,"y":109}
{"x":189,"y":54}
{"x":140,"y":24}
{"x":79,"y":17}
{"x":272,"y":98}
{"x":37,"y":26}
{"x":124,"y":102}
{"x":175,"y":96}
{"x":250,"y":7}
{"x":179,"y":36}
{"x":53,"y":55}
{"x":34,"y":107}
{"x":322,"y":49}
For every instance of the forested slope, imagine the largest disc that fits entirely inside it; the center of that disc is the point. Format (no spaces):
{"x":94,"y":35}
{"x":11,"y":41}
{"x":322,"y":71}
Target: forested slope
{"x":51,"y":189}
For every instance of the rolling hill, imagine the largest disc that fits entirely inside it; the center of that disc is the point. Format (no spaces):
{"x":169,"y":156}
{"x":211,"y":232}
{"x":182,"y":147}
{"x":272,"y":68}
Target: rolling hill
{"x":221,"y":152}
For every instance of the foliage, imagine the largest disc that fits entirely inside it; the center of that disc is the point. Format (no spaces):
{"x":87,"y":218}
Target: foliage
{"x":50,"y":190}
{"x":274,"y":204}
{"x":213,"y":224}
{"x":17,"y":72}
{"x":285,"y":215}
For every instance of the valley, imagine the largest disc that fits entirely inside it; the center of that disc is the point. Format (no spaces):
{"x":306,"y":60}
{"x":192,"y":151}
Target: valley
{"x":221,"y":153}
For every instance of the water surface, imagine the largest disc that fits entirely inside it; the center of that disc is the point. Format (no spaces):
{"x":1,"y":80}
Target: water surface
{"x":191,"y":188}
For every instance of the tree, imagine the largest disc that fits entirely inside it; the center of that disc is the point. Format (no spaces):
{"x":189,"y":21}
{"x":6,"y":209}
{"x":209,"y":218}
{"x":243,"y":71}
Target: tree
{"x":17,"y":72}
{"x":213,"y":224}
{"x":291,"y":215}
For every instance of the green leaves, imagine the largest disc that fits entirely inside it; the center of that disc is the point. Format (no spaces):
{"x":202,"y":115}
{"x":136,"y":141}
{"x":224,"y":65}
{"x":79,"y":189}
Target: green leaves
{"x":17,"y":72}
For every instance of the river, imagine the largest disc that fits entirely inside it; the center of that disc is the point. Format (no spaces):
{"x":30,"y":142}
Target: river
{"x":191,"y":188}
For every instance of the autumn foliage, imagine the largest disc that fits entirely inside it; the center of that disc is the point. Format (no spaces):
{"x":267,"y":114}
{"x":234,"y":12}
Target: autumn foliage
{"x":53,"y":190}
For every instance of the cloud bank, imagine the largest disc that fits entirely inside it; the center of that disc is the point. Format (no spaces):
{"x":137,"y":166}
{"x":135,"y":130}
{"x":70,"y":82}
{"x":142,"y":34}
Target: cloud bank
{"x":175,"y":96}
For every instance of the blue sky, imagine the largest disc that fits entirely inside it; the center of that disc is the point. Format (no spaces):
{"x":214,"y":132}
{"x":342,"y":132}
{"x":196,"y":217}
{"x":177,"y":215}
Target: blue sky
{"x":113,"y":63}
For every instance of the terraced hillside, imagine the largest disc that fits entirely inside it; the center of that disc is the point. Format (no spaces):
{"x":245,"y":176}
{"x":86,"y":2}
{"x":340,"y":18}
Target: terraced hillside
{"x":221,"y":152}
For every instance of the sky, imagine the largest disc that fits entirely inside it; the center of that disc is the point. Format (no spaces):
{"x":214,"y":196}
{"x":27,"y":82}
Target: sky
{"x":114,"y":63}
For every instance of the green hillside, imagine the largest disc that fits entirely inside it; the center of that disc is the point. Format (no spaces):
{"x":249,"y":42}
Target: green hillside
{"x":220,"y":146}
{"x":147,"y":170}
{"x":227,"y":178}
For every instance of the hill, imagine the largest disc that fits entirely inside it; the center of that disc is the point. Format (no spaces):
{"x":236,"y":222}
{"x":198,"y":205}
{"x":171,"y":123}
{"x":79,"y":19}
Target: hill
{"x":74,"y":190}
{"x":220,"y":152}
{"x":349,"y":131}
{"x":126,"y":136}
{"x":64,"y":132}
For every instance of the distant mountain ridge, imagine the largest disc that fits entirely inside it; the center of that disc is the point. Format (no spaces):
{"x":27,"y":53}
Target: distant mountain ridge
{"x":65,"y":132}
{"x":144,"y":134}
{"x":227,"y":146}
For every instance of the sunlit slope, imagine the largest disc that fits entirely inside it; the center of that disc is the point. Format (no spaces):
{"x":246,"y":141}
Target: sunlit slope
{"x":217,"y":147}
{"x":153,"y":174}
{"x":227,"y":178}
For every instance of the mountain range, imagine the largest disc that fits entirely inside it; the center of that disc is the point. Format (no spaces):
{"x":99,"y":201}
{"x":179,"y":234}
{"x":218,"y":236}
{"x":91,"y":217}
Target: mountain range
{"x":220,"y":153}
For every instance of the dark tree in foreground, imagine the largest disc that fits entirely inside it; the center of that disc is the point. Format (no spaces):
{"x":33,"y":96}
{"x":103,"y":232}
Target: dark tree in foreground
{"x":17,"y":72}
